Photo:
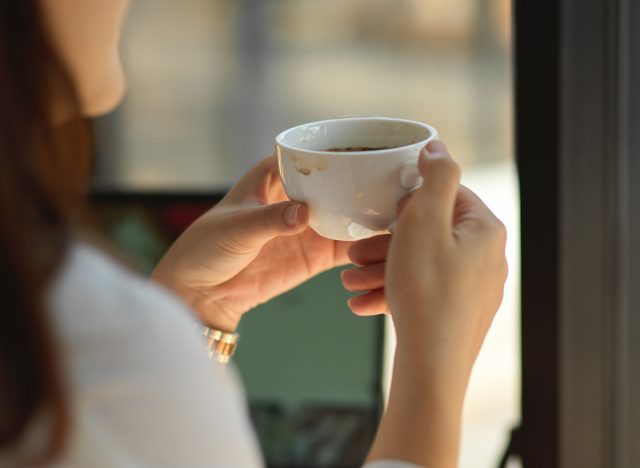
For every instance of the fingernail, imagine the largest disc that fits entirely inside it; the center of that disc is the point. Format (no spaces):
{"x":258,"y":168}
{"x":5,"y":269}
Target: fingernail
{"x":291,"y":215}
{"x":435,"y":147}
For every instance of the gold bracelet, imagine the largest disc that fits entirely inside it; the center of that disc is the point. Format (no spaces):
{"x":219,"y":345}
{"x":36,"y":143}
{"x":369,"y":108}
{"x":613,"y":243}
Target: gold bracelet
{"x":221,"y":345}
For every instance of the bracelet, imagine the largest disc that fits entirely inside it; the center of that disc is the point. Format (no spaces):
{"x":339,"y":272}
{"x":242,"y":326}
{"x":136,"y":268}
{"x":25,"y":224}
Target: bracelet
{"x":220,"y":345}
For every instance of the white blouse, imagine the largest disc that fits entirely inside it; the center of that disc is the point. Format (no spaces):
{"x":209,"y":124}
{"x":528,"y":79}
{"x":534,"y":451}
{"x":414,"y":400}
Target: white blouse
{"x":143,"y":392}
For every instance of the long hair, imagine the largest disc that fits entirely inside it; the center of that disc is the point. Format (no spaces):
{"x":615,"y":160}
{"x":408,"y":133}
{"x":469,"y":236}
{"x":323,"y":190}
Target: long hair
{"x":44,"y":168}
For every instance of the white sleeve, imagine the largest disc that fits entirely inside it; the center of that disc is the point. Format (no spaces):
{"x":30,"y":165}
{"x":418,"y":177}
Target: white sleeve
{"x":391,"y":464}
{"x":139,"y":375}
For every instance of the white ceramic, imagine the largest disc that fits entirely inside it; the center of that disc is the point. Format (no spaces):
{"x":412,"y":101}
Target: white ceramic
{"x":352,"y":195}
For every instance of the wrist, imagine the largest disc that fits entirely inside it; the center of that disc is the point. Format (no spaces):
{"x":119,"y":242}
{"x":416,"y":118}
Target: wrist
{"x":422,"y":423}
{"x":203,"y":305}
{"x":209,"y":311}
{"x":441,"y":369}
{"x":214,"y":316}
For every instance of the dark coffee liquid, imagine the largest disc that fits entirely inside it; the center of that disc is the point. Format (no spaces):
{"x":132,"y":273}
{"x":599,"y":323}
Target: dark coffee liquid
{"x":350,"y":149}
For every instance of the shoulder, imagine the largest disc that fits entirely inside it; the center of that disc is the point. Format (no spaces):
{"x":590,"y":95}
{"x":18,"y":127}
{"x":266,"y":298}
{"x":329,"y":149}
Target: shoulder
{"x":94,"y":293}
{"x":110,"y":320}
{"x":136,"y":365}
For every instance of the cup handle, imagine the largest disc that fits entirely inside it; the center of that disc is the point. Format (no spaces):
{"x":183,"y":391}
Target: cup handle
{"x":410,"y":178}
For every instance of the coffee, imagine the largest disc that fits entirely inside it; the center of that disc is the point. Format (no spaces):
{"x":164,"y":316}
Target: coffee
{"x":350,"y":149}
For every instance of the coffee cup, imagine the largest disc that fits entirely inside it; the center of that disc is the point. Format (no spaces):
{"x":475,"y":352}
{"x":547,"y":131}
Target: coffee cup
{"x":352,"y":172}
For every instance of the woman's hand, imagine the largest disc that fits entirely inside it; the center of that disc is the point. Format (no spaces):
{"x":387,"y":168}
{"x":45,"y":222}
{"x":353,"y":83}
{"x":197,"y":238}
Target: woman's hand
{"x":444,"y":279}
{"x":249,"y":248}
{"x":461,"y":267}
{"x":446,"y":267}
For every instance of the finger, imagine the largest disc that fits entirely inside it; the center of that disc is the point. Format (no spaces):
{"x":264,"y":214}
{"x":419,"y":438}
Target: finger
{"x":371,"y":303}
{"x":402,"y":204}
{"x":371,"y":250}
{"x":341,"y":252}
{"x":399,"y":209}
{"x":436,"y":198}
{"x":253,"y":227}
{"x":364,"y":278}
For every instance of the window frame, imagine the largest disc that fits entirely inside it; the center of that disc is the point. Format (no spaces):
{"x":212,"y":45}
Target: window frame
{"x":576,"y":111}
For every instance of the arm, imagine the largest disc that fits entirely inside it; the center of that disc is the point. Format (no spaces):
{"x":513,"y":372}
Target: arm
{"x":422,"y":422}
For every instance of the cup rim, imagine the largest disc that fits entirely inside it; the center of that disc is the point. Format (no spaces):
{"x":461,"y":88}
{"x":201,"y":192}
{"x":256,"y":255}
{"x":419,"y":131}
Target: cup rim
{"x":433,"y":135}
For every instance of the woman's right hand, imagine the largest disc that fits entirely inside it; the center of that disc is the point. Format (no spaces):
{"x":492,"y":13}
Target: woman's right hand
{"x":442,"y":273}
{"x":446,"y":269}
{"x":444,"y":277}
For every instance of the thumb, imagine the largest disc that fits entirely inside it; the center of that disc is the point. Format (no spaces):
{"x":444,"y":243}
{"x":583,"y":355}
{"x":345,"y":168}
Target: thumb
{"x":436,"y":198}
{"x":255,"y":226}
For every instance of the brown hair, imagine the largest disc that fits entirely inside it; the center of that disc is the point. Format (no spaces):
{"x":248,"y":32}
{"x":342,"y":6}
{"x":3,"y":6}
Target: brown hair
{"x":43,"y":173}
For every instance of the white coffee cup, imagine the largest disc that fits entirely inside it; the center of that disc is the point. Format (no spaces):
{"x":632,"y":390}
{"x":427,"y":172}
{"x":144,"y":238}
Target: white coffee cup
{"x":352,"y":194}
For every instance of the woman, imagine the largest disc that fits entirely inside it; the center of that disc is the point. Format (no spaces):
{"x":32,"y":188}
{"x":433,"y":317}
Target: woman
{"x":101,"y":368}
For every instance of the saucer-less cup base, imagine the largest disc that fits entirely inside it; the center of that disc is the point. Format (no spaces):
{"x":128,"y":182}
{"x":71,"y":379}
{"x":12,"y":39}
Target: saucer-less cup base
{"x":352,"y":195}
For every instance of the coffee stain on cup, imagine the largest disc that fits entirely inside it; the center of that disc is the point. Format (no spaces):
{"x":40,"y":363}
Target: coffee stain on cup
{"x":303,"y":167}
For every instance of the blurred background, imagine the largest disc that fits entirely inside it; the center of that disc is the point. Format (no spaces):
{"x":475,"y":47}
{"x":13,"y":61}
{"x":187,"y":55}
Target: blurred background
{"x":211,"y":82}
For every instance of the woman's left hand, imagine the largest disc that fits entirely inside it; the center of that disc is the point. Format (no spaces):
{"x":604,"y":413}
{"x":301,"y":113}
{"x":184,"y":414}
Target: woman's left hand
{"x":249,"y":248}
